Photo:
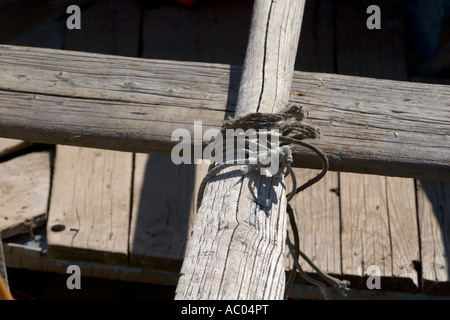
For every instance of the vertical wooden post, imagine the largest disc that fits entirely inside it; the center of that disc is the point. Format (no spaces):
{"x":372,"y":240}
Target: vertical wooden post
{"x":236,"y":249}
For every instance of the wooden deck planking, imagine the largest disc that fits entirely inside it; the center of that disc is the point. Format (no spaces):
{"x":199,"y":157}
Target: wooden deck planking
{"x":32,"y":255}
{"x":90,"y":202}
{"x":433,"y":199}
{"x":27,"y":176}
{"x":24,"y":193}
{"x":391,"y":205}
{"x":379,"y":229}
{"x":403,"y":228}
{"x":317,"y":208}
{"x":165,"y":194}
{"x":316,"y":211}
{"x":163,"y":202}
{"x":365,"y":226}
{"x":434,"y":226}
{"x":92,"y":187}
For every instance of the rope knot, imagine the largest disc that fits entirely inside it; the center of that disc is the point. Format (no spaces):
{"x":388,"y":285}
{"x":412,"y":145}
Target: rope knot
{"x":286,"y":127}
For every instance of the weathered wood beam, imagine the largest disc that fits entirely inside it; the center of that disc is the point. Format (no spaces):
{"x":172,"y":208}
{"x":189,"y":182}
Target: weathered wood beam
{"x":367,"y":125}
{"x":236,"y":248}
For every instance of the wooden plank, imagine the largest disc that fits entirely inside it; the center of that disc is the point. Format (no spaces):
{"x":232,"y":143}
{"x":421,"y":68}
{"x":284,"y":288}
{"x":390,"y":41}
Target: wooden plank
{"x":236,"y":246}
{"x":130,"y":106}
{"x":317,"y":208}
{"x":403,"y":230}
{"x":163,"y":212}
{"x":32,"y":255}
{"x":317,"y":215}
{"x":379,"y":229}
{"x":25,"y":256}
{"x":8,"y":146}
{"x":93,"y":187}
{"x":90,"y":202}
{"x":163,"y":206}
{"x":24,"y":193}
{"x":432,"y":207}
{"x":364,"y":224}
{"x":434,"y":225}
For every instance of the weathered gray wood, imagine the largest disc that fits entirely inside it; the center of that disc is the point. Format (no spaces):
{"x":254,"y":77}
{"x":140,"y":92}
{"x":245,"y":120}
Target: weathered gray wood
{"x":163,"y":205}
{"x":33,"y":255}
{"x":92,"y":188}
{"x":128,"y":104}
{"x":379,"y":225}
{"x":269,"y":62}
{"x":434,"y":225}
{"x":317,"y":209}
{"x":236,"y":249}
{"x":317,"y":214}
{"x":90,"y":202}
{"x":24,"y":193}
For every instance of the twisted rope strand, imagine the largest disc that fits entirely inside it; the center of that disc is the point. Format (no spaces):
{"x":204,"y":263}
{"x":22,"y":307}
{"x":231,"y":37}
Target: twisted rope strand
{"x":293,"y":130}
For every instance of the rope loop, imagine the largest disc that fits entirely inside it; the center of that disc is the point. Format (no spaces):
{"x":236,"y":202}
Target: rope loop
{"x":256,"y":152}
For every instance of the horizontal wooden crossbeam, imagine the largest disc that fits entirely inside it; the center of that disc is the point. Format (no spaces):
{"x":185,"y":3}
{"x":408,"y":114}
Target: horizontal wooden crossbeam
{"x":111,"y":102}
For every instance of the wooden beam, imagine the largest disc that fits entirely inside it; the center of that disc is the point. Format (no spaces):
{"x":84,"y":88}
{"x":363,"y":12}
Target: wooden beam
{"x":236,"y":249}
{"x":129,"y":104}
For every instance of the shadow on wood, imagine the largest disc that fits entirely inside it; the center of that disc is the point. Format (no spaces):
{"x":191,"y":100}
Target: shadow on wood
{"x":162,"y":205}
{"x":434,"y":226}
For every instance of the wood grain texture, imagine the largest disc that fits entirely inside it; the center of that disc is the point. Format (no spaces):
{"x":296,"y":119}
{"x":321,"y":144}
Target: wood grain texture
{"x":243,"y":258}
{"x":63,"y":97}
{"x":269,"y":61}
{"x":236,"y":248}
{"x":317,"y":208}
{"x":24,"y":193}
{"x":90,"y":203}
{"x":163,"y":203}
{"x":403,"y":228}
{"x":379,"y":229}
{"x":93,"y":203}
{"x":317,"y":216}
{"x":365,"y":224}
{"x":434,"y":224}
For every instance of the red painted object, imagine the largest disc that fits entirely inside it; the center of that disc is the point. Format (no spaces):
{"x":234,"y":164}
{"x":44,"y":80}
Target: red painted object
{"x":188,"y":2}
